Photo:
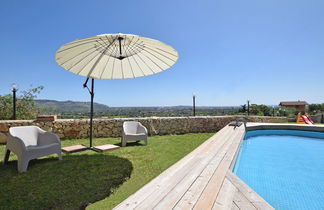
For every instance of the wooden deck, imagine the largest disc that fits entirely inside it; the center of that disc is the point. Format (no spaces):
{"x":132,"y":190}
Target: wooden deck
{"x":201,"y":180}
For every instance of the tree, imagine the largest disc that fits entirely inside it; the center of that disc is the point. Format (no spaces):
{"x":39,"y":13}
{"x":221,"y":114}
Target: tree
{"x":243,"y":108}
{"x":261,"y":110}
{"x":25,"y":107}
{"x":315,"y":108}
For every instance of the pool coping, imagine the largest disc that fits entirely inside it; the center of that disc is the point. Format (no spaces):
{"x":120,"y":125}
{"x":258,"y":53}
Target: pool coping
{"x":284,"y":126}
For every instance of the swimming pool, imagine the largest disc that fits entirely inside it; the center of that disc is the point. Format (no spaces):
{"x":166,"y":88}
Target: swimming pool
{"x":285,"y":167}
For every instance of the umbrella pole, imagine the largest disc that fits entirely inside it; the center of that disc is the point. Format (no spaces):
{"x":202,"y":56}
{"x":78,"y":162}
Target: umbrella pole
{"x":91,"y":109}
{"x":91,"y":92}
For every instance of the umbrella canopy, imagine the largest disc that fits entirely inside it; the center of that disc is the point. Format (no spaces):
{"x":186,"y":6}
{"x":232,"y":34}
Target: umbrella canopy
{"x":116,"y":56}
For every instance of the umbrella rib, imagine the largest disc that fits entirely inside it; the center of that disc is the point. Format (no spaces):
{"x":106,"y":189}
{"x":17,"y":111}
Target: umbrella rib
{"x":148,"y":44}
{"x":160,"y":53}
{"x":105,"y":67}
{"x":123,"y":46}
{"x":59,"y":51}
{"x":145,"y":63}
{"x":134,"y":45}
{"x":157,"y":56}
{"x":112,"y":50}
{"x":82,"y":40}
{"x":104,"y":40}
{"x":112,"y":70}
{"x":122,"y":70}
{"x":153,"y":61}
{"x":76,"y":55}
{"x":82,"y":59}
{"x":141,"y":47}
{"x":160,"y":58}
{"x":139,"y":66}
{"x":102,"y":44}
{"x":108,"y":56}
{"x":127,"y":49}
{"x":98,"y":60}
{"x":113,"y":67}
{"x":85,"y":64}
{"x":80,"y":53}
{"x":130,"y":67}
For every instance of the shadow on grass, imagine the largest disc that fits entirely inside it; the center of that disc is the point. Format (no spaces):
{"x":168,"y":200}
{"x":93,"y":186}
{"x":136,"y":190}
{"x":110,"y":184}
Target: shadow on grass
{"x":72,"y":183}
{"x":132,"y":144}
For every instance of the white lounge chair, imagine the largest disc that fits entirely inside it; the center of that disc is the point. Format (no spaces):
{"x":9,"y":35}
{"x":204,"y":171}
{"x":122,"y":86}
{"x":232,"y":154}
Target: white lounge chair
{"x":31,"y":142}
{"x":133,"y":131}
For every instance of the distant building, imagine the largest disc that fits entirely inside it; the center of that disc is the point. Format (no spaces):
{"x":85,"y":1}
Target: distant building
{"x":298,"y":105}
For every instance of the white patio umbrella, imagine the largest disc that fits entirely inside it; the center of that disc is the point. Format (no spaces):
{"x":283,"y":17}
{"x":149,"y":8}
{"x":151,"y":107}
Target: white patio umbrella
{"x":114,"y":56}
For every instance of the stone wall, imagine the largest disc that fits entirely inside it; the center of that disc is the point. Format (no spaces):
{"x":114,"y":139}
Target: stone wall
{"x":79,"y":128}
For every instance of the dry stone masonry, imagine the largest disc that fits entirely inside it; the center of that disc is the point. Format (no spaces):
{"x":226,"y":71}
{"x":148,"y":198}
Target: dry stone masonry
{"x":79,"y":128}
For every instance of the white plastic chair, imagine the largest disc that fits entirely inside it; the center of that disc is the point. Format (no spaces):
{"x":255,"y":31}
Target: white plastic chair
{"x":133,"y":131}
{"x":31,"y":142}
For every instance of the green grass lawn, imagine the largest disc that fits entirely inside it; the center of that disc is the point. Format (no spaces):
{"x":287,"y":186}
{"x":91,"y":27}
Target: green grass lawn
{"x":82,"y":179}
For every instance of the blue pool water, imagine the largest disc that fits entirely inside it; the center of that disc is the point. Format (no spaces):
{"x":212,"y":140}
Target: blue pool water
{"x":285,"y":167}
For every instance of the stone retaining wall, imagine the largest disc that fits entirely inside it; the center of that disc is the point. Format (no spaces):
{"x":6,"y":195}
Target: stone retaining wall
{"x":79,"y":128}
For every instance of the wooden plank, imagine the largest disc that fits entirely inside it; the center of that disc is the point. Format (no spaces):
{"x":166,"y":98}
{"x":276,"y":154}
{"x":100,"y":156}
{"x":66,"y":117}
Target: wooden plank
{"x":192,"y":195}
{"x":224,"y":200}
{"x":234,"y":206}
{"x":236,"y":153}
{"x":174,"y":195}
{"x":251,"y":195}
{"x":243,"y":203}
{"x":106,"y":147}
{"x":157,"y":183}
{"x":209,"y":195}
{"x":74,"y":148}
{"x":176,"y":185}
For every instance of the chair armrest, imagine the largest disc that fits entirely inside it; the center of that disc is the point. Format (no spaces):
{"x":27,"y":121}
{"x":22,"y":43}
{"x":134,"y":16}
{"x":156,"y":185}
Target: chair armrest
{"x":16,"y":145}
{"x":46,"y":137}
{"x":142,"y":129}
{"x":124,"y":133}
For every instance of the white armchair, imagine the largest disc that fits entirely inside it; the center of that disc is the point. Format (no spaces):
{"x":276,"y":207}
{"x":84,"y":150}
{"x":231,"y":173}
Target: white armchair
{"x":133,"y":131}
{"x":31,"y":142}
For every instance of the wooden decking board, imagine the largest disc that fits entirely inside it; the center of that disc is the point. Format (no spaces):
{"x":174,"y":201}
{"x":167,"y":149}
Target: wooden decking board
{"x":226,"y":195}
{"x":182,"y":187}
{"x":201,"y":180}
{"x":242,"y":202}
{"x":178,"y":184}
{"x":209,"y":195}
{"x":252,"y":196}
{"x":144,"y":193}
{"x":234,"y":206}
{"x":192,"y":195}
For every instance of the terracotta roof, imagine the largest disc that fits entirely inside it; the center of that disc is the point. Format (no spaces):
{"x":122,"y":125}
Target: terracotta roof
{"x":293,"y":103}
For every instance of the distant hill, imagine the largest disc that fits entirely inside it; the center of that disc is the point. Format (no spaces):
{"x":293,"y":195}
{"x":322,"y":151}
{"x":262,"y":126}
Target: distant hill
{"x":68,"y":106}
{"x":75,"y":109}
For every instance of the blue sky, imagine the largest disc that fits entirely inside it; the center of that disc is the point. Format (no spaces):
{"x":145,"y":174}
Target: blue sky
{"x":229,"y":51}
